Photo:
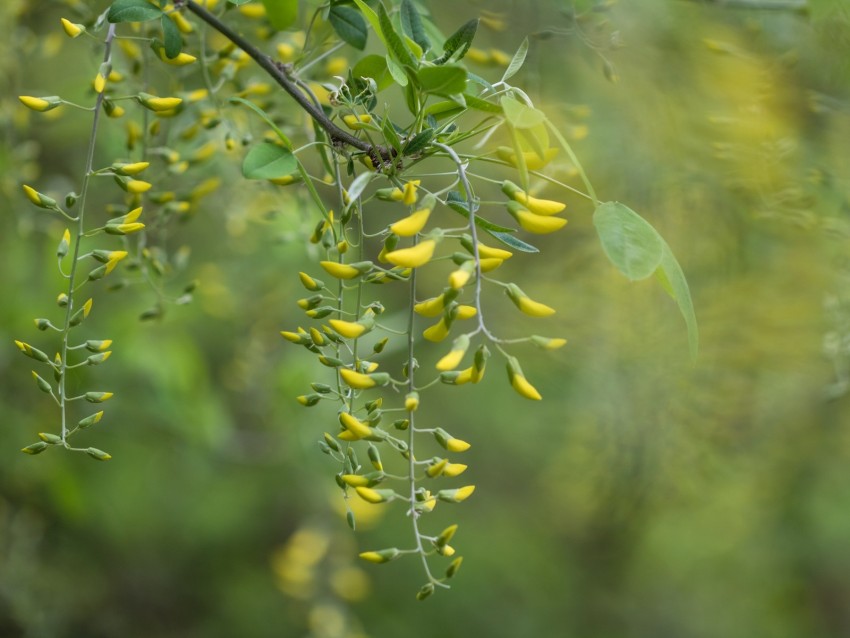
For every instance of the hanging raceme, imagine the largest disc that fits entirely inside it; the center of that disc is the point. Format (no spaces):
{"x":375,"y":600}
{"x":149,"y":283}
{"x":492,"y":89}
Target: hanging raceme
{"x":361,"y":160}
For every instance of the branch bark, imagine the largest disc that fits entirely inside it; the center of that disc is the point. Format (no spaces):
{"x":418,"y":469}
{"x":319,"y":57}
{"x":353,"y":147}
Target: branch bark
{"x":281,"y":73}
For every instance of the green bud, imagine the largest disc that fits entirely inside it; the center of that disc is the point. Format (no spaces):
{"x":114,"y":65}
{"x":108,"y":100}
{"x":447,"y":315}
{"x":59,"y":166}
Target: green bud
{"x":43,"y":385}
{"x":332,"y":443}
{"x":401,"y":424}
{"x":321,"y":313}
{"x":426,"y":591}
{"x":97,"y":397}
{"x":308,"y":400}
{"x":99,"y":455}
{"x":90,"y":420}
{"x":35,"y":448}
{"x":43,"y":324}
{"x":50,"y":439}
{"x":321,"y":388}
{"x":375,"y":458}
{"x":349,"y":518}
{"x":454,"y":566}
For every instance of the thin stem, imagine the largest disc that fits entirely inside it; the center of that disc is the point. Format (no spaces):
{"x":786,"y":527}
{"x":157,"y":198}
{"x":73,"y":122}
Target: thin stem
{"x":461,"y":171}
{"x":66,"y":330}
{"x":411,"y":467}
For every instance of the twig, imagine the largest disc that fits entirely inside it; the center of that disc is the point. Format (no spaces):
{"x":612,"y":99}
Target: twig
{"x":281,"y":73}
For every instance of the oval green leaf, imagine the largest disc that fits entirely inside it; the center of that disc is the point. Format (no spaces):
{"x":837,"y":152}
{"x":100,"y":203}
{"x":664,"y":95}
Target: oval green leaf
{"x":630,"y":242}
{"x":349,"y":25}
{"x":268,"y":161}
{"x":673,"y":280}
{"x":442,"y":80}
{"x":132,"y":11}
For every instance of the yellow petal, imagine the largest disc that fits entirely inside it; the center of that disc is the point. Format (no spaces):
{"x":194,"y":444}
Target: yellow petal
{"x":411,"y":224}
{"x":413,"y":257}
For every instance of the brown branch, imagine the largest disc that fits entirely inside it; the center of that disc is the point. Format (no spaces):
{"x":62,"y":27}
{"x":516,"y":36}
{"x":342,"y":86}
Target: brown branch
{"x":281,"y":73}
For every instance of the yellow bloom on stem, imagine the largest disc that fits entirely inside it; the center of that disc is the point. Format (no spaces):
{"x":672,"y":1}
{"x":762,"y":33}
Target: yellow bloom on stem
{"x":412,"y":224}
{"x":526,"y":304}
{"x":40,"y":104}
{"x":437,"y":332}
{"x":413,"y":257}
{"x":72,"y":30}
{"x":356,"y":122}
{"x":533,"y":223}
{"x":356,"y":427}
{"x":357,"y":380}
{"x":536,"y":206}
{"x":348,"y":329}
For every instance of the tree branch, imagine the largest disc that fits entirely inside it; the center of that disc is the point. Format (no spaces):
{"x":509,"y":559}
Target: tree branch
{"x":281,"y":73}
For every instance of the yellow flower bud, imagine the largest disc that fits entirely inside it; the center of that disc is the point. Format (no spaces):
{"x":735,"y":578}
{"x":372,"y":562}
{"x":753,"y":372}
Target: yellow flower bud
{"x":413,"y":257}
{"x":99,"y":83}
{"x":460,"y":277}
{"x":137,"y":186}
{"x":479,"y":56}
{"x":437,"y":332}
{"x":536,"y":206}
{"x":356,"y":122}
{"x":409,"y":194}
{"x":374,"y":496}
{"x":345,"y":271}
{"x":430,"y":308}
{"x":357,"y":428}
{"x":411,"y":402}
{"x":455,"y":356}
{"x":499,"y":57}
{"x":547,"y":343}
{"x":158,"y":104}
{"x":348,"y":329}
{"x":538,"y":224}
{"x":454,"y":469}
{"x":456,"y":495}
{"x":72,"y":29}
{"x":526,"y":304}
{"x":130,"y":169}
{"x":532,"y":160}
{"x":357,"y":380}
{"x":524,"y":388}
{"x":355,"y":480}
{"x":285,"y":51}
{"x":412,"y":224}
{"x":381,"y":556}
{"x":40,"y":104}
{"x":465,"y":312}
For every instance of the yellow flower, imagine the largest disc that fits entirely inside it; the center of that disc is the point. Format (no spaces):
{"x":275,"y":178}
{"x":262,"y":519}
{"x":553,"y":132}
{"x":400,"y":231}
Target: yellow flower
{"x":431,"y":307}
{"x":455,"y":356}
{"x":348,"y":329}
{"x":412,"y":224}
{"x":356,"y":122}
{"x":437,"y":332}
{"x":533,"y":223}
{"x":413,"y":257}
{"x":72,"y":29}
{"x":357,"y":380}
{"x":526,"y":304}
{"x":181,"y":59}
{"x":532,"y":160}
{"x":137,"y":186}
{"x":524,"y":388}
{"x":409,"y":195}
{"x":536,"y":206}
{"x":356,"y":427}
{"x":40,"y":104}
{"x":454,"y":469}
{"x":340,"y":271}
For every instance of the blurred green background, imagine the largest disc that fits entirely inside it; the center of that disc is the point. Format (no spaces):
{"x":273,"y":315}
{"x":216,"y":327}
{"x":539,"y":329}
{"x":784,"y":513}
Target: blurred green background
{"x":643,"y":497}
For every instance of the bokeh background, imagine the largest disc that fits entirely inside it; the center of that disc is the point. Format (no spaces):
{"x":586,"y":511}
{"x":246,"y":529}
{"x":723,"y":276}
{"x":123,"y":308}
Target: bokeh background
{"x":644,"y":497}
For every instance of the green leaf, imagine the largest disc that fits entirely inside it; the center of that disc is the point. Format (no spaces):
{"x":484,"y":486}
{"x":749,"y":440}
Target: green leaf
{"x":396,"y":71}
{"x":375,"y":67}
{"x":132,"y":11}
{"x":673,"y":280}
{"x":171,"y":35}
{"x":521,"y":115}
{"x":411,"y":24}
{"x":268,"y":161}
{"x":418,"y":142}
{"x":442,"y":80}
{"x":460,"y":41}
{"x":349,"y":25}
{"x":282,"y":14}
{"x":482,"y":105}
{"x":372,"y":18}
{"x":517,"y":61}
{"x":512,"y":242}
{"x":395,"y":45}
{"x":359,"y":185}
{"x":628,"y":240}
{"x":390,"y":134}
{"x":458,"y":203}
